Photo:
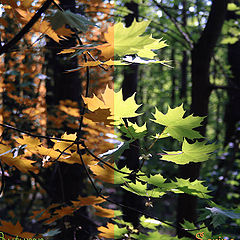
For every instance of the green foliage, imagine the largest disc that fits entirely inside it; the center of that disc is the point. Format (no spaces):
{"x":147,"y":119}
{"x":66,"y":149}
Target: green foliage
{"x":220,"y":214}
{"x":177,"y":126}
{"x":196,"y":152}
{"x":129,"y":41}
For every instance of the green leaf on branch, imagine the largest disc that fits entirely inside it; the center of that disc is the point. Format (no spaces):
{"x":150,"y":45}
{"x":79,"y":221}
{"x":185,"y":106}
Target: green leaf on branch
{"x":220,"y":214}
{"x":133,"y":131}
{"x":177,"y":126}
{"x":141,"y":189}
{"x":195,"y":188}
{"x":196,"y":152}
{"x":118,"y":108}
{"x":157,"y":180}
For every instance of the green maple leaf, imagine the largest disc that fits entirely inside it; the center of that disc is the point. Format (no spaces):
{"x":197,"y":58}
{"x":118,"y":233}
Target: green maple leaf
{"x":127,"y":41}
{"x":196,"y":152}
{"x":124,"y":108}
{"x":133,"y":131}
{"x":141,"y":189}
{"x":157,"y":179}
{"x":177,"y":126}
{"x":195,"y":188}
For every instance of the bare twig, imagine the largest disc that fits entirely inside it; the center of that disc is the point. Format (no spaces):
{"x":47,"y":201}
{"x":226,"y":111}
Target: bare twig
{"x":184,"y":34}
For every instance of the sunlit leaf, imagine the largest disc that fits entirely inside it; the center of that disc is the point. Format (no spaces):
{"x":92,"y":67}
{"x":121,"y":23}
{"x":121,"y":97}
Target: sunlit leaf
{"x":177,"y":126}
{"x":112,"y":231}
{"x":126,"y":41}
{"x":118,"y":107}
{"x":196,"y":152}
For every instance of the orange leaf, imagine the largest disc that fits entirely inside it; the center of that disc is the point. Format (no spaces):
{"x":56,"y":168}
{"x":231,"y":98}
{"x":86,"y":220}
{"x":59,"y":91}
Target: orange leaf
{"x":16,"y":230}
{"x":75,"y":158}
{"x":29,"y":141}
{"x":107,"y":232}
{"x":71,"y":111}
{"x":100,"y":115}
{"x":105,"y":174}
{"x":59,"y":145}
{"x":86,"y":201}
{"x":104,"y":212}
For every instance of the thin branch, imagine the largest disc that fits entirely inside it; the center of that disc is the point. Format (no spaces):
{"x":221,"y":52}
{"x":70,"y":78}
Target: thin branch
{"x":125,"y":206}
{"x":26,"y":28}
{"x":100,"y":160}
{"x":39,"y":136}
{"x":214,"y":87}
{"x":184,"y":34}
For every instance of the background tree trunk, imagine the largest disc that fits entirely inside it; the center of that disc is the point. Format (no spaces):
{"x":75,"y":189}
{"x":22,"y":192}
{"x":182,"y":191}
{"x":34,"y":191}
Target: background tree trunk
{"x":129,"y":86}
{"x":66,"y":181}
{"x":201,"y":56}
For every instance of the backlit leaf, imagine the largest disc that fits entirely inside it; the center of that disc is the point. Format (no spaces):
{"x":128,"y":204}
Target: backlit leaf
{"x":126,"y":41}
{"x":196,"y":152}
{"x":118,"y":107}
{"x":103,"y":212}
{"x":112,"y":231}
{"x":177,"y":126}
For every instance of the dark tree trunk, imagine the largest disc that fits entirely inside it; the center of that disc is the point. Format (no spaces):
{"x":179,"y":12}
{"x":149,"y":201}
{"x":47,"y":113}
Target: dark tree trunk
{"x":232,"y":114}
{"x":129,"y":86}
{"x":173,"y":78}
{"x":184,"y":63}
{"x":65,"y":180}
{"x":201,"y":56}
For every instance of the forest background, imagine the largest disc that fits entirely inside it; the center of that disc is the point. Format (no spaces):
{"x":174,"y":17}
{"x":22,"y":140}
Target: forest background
{"x":55,"y":55}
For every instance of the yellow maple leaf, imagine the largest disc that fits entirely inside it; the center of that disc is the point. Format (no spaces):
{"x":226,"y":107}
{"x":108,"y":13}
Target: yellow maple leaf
{"x":75,"y":158}
{"x":29,"y":141}
{"x":22,"y":164}
{"x":62,"y":145}
{"x":118,"y":107}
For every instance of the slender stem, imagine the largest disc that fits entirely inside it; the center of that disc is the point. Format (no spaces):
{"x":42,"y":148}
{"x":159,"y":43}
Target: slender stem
{"x":39,"y":136}
{"x":100,"y":160}
{"x":122,"y":205}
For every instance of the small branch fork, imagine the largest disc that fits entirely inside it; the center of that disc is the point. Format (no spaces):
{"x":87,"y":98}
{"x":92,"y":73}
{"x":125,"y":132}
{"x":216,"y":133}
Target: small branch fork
{"x":78,"y":141}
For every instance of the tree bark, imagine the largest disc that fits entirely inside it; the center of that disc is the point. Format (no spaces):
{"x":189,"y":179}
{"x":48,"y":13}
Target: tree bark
{"x":184,"y":63}
{"x":202,"y":53}
{"x":129,"y":86}
{"x":232,"y":114}
{"x":66,"y":181}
